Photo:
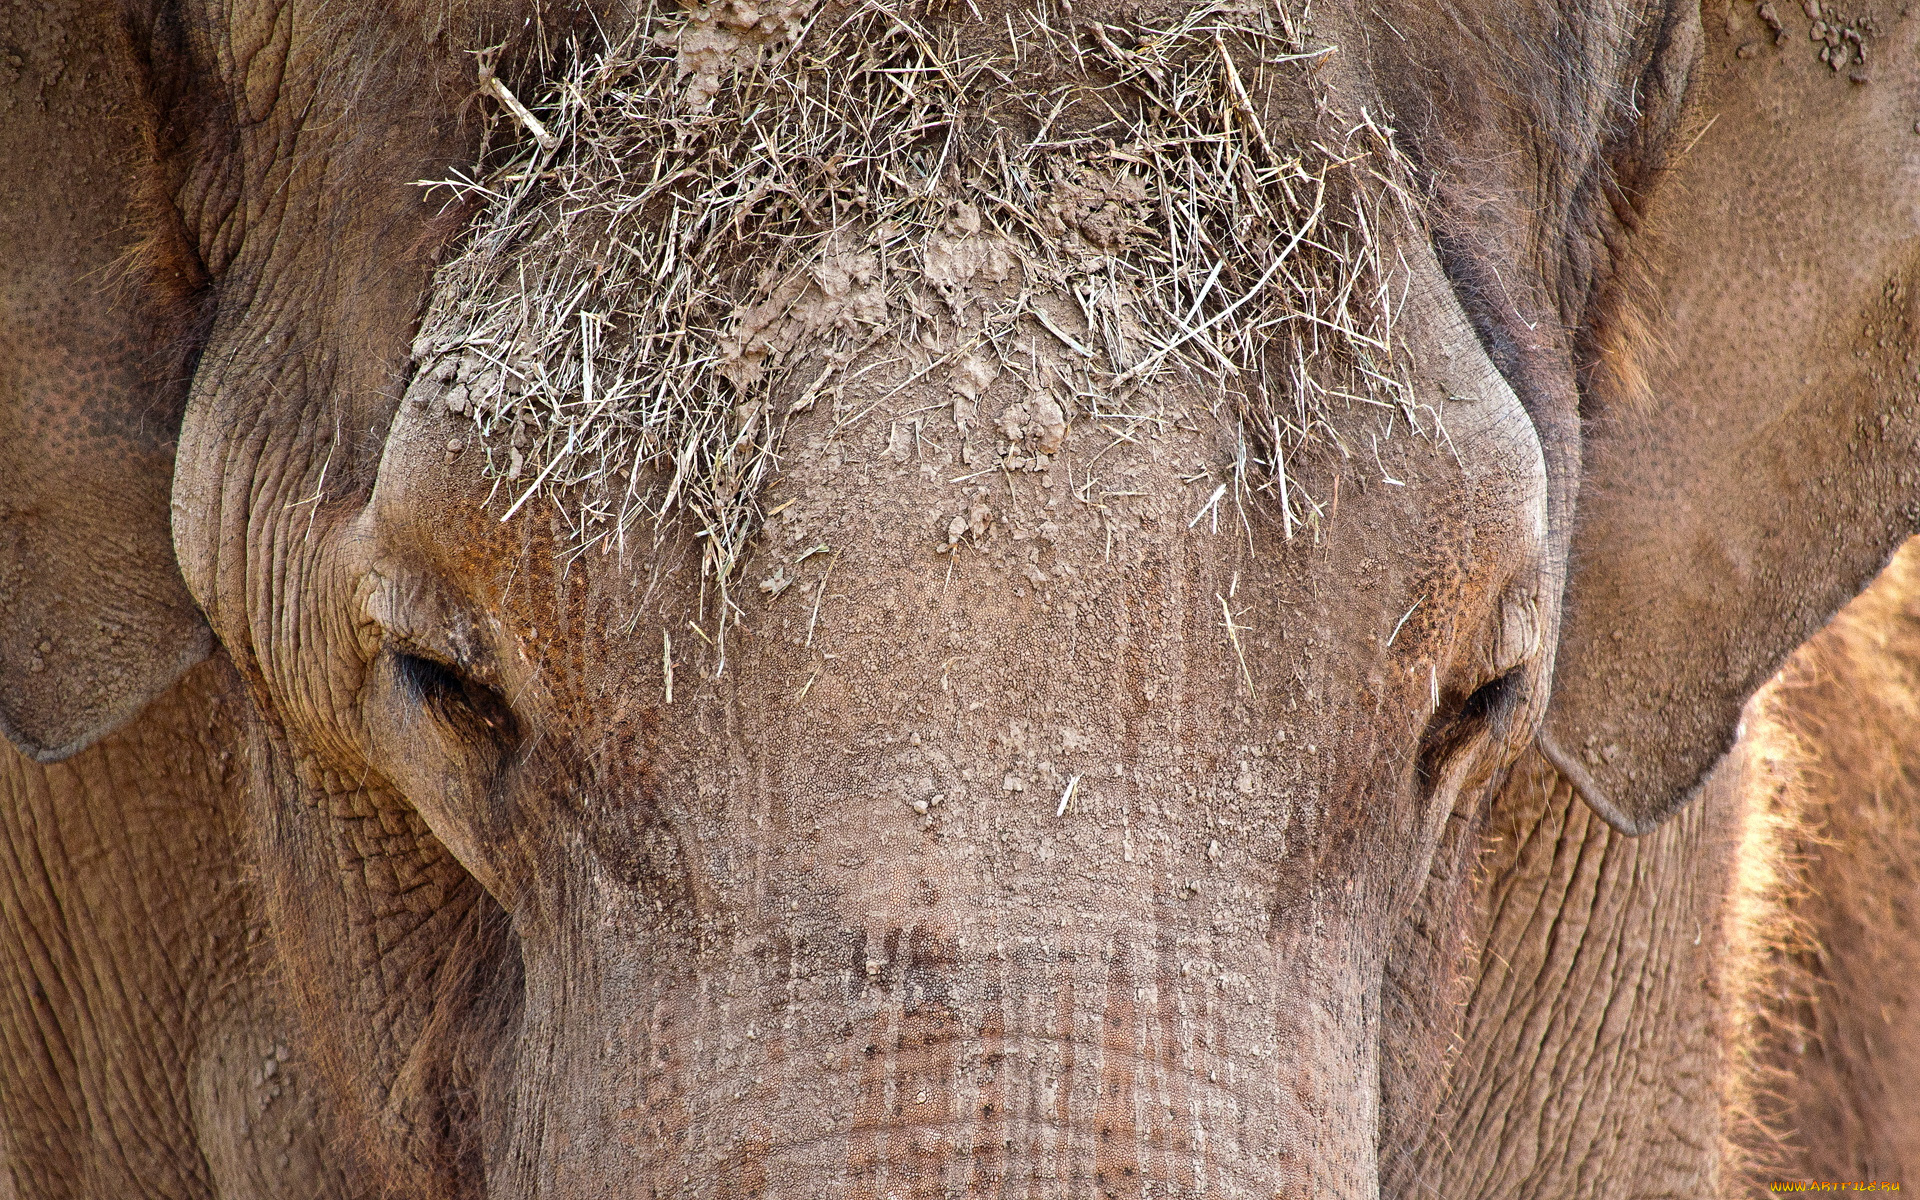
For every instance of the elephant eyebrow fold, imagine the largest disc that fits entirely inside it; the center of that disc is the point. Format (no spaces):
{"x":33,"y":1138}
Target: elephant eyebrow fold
{"x":468,"y":655}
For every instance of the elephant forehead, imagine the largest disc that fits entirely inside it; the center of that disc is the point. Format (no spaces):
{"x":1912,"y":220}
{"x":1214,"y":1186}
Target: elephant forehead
{"x":835,"y":198}
{"x":1117,"y":591}
{"x":911,"y":660}
{"x":891,"y":393}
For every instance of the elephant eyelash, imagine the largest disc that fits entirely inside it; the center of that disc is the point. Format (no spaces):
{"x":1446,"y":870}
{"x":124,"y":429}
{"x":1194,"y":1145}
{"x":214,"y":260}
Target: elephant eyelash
{"x":456,"y":698}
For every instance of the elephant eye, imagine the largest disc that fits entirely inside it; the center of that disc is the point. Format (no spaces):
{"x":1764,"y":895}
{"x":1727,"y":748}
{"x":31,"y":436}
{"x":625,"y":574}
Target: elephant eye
{"x":470,"y":706}
{"x":1490,"y":700}
{"x":1460,"y":720}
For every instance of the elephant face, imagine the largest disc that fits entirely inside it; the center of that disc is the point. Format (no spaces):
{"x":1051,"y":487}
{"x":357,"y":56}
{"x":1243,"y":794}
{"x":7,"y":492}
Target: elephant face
{"x":1027,"y":790}
{"x":1046,"y":813}
{"x":966,"y":867}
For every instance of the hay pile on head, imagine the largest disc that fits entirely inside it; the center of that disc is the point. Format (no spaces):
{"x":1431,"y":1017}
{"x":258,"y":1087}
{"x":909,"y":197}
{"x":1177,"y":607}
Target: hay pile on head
{"x":738,"y":201}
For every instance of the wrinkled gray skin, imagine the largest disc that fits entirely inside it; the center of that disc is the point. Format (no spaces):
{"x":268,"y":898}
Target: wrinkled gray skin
{"x":525,"y":929}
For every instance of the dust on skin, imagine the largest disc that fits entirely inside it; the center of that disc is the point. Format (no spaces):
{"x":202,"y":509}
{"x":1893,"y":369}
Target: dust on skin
{"x":717,"y":40}
{"x":1073,"y":289}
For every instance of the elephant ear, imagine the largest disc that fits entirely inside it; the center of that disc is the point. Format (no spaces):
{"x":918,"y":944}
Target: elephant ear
{"x":98,"y":316}
{"x":1751,"y":469}
{"x":1682,"y":602}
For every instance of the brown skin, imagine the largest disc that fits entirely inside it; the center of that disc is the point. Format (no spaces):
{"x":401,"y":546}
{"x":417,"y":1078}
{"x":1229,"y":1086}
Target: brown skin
{"x":1592,"y":1050}
{"x":1725,"y":281}
{"x":550,"y":936}
{"x":1800,"y":364}
{"x":103,"y":300}
{"x":141,"y":1049}
{"x":1823,"y":977}
{"x":903,"y":956}
{"x":1744,"y":534}
{"x":625,"y":894}
{"x":138,"y":1037}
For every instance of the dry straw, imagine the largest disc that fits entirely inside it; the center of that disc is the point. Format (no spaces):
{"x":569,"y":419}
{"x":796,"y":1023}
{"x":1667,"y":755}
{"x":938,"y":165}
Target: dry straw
{"x":732,"y":211}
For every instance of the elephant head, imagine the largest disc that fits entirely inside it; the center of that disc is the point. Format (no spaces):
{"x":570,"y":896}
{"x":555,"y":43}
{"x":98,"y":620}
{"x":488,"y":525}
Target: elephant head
{"x":905,"y":613}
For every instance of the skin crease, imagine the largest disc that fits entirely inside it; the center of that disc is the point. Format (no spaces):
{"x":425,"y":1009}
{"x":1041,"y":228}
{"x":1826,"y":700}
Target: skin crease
{"x":476,"y":889}
{"x":143,"y":1053}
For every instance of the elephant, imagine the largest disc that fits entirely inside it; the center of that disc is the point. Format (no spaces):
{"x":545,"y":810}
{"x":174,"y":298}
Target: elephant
{"x":1263,"y":520}
{"x":1824,"y":1038}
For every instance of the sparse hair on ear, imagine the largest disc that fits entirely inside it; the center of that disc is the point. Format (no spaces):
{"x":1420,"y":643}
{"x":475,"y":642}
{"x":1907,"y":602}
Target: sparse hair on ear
{"x":1820,"y":944}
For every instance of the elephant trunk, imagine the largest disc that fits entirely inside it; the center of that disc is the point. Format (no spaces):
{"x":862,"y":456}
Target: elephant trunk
{"x":1133,"y":1056}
